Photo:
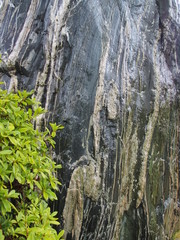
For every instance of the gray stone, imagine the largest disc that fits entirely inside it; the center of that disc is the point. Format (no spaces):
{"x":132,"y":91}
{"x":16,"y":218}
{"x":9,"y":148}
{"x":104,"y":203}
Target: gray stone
{"x":109,"y":71}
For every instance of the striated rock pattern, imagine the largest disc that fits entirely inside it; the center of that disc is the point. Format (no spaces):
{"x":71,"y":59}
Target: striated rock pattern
{"x":109,"y":71}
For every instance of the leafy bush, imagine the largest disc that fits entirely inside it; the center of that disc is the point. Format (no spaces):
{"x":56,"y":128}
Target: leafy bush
{"x":27,"y":172}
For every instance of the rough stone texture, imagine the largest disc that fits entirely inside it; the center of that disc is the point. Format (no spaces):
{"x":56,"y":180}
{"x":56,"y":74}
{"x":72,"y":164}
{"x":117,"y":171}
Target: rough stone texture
{"x":109,"y":71}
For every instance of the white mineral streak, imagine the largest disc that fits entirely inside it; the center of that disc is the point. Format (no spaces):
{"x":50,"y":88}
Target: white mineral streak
{"x":144,"y":12}
{"x":3,"y":8}
{"x":173,"y":165}
{"x":125,"y":40}
{"x":174,"y":10}
{"x":129,"y":138}
{"x":20,"y":41}
{"x":73,"y":211}
{"x":1,"y":3}
{"x":128,"y":160}
{"x":112,"y":102}
{"x":151,"y":123}
{"x":25,"y":31}
{"x":99,"y":99}
{"x":13,"y":87}
{"x":53,"y":36}
{"x":49,"y":51}
{"x":55,"y":31}
{"x":175,"y":14}
{"x":171,"y":207}
{"x":84,"y":181}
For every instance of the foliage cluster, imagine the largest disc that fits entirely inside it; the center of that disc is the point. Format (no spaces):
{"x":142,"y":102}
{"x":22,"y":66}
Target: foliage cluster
{"x":27,"y":172}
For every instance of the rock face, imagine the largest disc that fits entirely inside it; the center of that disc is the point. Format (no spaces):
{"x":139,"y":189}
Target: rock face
{"x":109,"y":71}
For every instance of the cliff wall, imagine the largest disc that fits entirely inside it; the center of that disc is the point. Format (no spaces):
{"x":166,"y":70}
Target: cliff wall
{"x":109,"y":71}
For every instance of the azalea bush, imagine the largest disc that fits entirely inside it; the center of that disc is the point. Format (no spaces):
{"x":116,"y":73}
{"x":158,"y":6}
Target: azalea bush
{"x":27,"y":172}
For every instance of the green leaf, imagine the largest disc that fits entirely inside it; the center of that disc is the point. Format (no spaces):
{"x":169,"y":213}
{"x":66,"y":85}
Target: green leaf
{"x":6,"y":205}
{"x":13,"y":194}
{"x":1,"y":126}
{"x":23,"y":129}
{"x":23,"y":167}
{"x":20,"y":216}
{"x":37,"y":184}
{"x":30,"y":112}
{"x":3,"y":109}
{"x":54,"y":126}
{"x":5,"y":152}
{"x":45,"y":195}
{"x":51,"y":194}
{"x":53,"y":184}
{"x":11,"y":127}
{"x":13,"y":140}
{"x":21,"y":231}
{"x":60,"y":235}
{"x":20,"y":153}
{"x":13,"y":207}
{"x":20,"y":178}
{"x":54,"y":222}
{"x":43,"y":175}
{"x":54,"y":213}
{"x":1,"y":235}
{"x":31,"y":236}
{"x":11,"y":178}
{"x":38,"y":111}
{"x":15,"y":169}
{"x":53,"y":134}
{"x":58,"y":166}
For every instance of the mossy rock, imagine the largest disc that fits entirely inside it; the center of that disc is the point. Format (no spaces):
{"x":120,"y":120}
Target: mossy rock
{"x":177,"y":236}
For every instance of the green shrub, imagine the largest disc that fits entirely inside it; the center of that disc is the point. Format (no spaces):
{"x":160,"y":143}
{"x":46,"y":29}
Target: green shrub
{"x":27,"y":172}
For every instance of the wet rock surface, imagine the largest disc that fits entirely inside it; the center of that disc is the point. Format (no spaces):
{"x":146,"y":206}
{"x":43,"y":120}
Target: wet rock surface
{"x":109,"y":71}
